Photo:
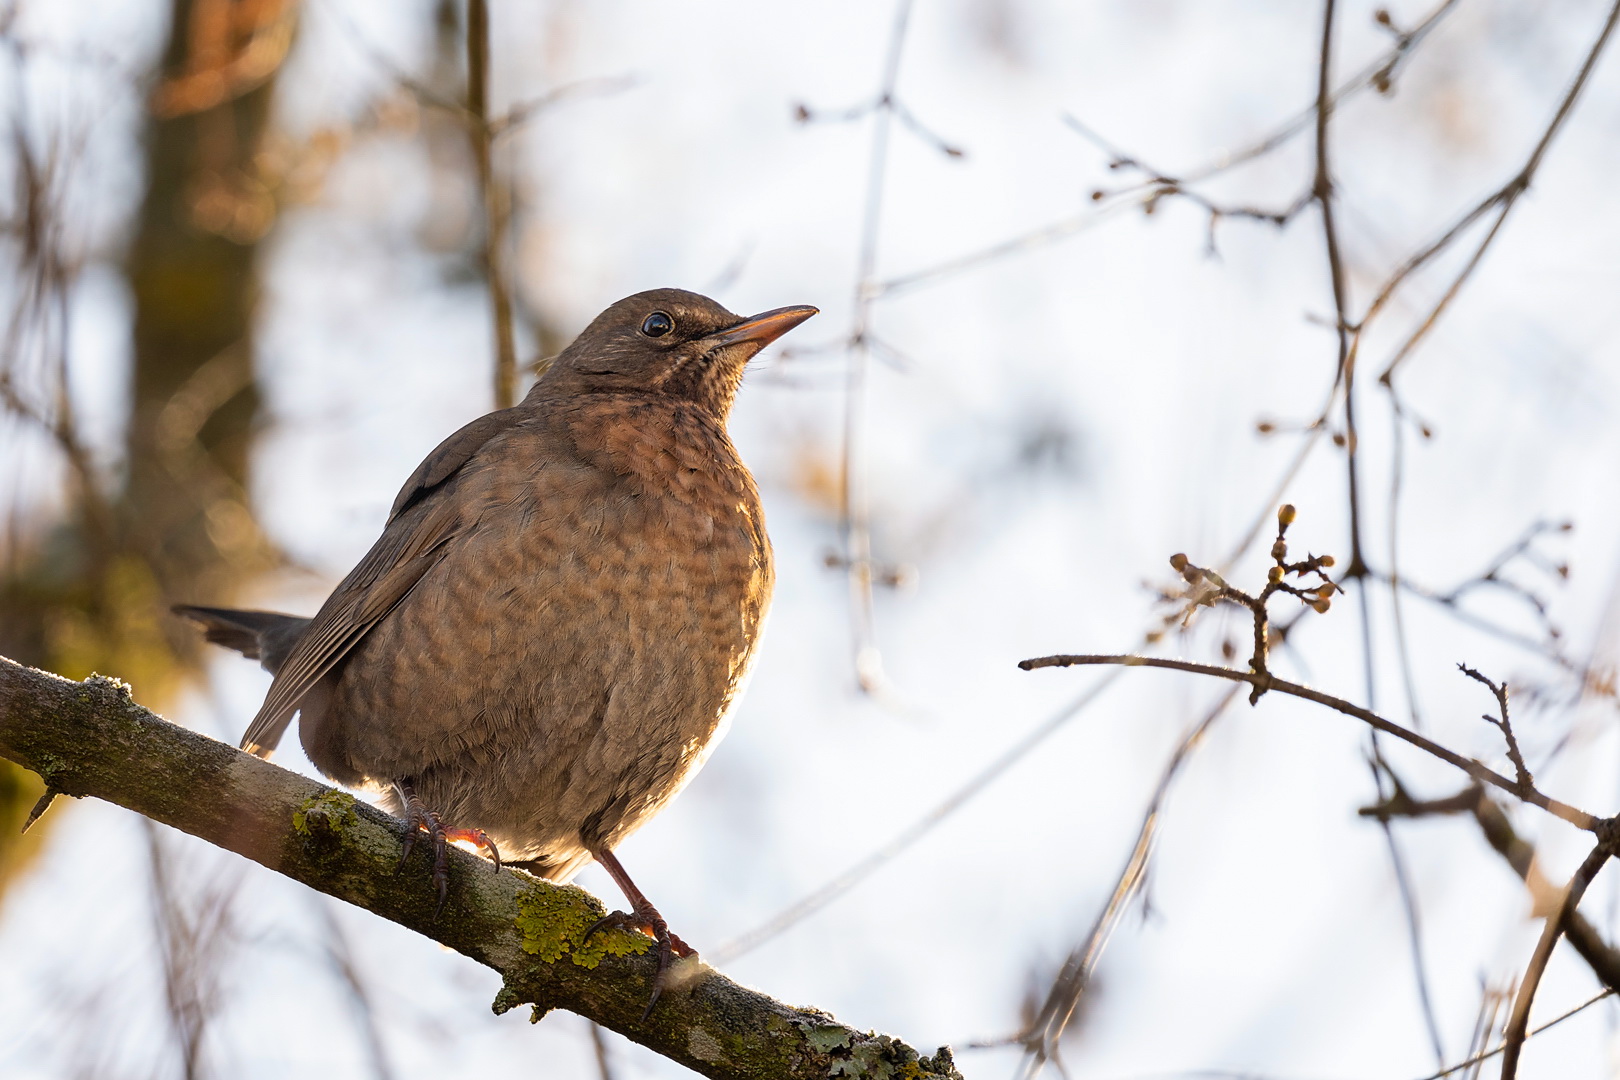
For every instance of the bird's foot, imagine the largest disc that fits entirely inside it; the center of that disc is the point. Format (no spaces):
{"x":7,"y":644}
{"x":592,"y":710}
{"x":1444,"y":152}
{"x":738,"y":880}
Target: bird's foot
{"x":420,"y":819}
{"x":644,"y":918}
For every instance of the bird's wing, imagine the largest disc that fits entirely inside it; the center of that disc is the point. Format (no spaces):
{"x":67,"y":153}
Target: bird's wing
{"x":426,"y":516}
{"x":448,"y":457}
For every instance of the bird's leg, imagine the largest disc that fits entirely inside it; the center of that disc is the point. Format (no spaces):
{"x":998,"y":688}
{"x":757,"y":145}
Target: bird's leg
{"x":418,"y":818}
{"x":642,"y":916}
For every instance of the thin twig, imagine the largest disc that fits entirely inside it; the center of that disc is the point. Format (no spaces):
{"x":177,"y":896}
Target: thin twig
{"x":1409,"y":905}
{"x":341,"y":956}
{"x":1041,"y":1036}
{"x":604,"y":1067}
{"x":1503,"y":724}
{"x":855,"y":509}
{"x":1502,"y":200}
{"x":1478,"y":1058}
{"x":843,"y":883}
{"x":1600,"y":956}
{"x":1579,"y":818}
{"x":1519,"y":1020}
{"x":1159,"y":185}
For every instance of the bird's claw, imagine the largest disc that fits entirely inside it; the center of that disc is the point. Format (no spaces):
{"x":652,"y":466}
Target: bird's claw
{"x":420,"y":819}
{"x":479,"y":839}
{"x":647,"y":921}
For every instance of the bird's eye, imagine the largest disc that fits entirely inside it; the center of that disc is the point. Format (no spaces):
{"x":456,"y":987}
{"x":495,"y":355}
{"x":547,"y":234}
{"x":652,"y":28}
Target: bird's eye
{"x":657,"y":325}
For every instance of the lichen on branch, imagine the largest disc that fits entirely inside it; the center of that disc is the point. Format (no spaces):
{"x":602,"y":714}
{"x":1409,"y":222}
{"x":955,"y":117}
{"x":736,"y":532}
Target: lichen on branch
{"x":92,"y":739}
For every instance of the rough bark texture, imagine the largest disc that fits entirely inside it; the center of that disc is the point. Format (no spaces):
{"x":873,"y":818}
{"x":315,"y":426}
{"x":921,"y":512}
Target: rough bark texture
{"x":92,"y":739}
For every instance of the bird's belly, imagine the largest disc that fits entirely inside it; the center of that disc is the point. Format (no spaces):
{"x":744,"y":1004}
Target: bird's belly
{"x":554,"y":682}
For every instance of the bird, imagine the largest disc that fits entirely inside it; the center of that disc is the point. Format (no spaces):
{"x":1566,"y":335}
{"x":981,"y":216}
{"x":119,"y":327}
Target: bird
{"x":561,"y":613}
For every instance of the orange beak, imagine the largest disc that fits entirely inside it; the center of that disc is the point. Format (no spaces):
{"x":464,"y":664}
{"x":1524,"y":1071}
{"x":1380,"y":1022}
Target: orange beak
{"x":763,"y":328}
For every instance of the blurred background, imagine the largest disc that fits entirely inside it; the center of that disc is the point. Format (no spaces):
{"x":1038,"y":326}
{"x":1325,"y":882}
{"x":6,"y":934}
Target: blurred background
{"x":259,"y":256}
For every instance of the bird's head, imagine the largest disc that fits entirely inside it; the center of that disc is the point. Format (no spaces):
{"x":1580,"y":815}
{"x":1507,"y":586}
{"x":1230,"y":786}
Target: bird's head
{"x":669,"y":341}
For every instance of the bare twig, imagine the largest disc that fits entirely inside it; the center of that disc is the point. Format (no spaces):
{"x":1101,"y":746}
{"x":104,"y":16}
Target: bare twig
{"x":855,"y":508}
{"x":1519,"y":1020}
{"x":1145,"y":192}
{"x":1409,"y":904}
{"x":1502,"y":201}
{"x":192,"y":938}
{"x":1579,"y":818}
{"x":1040,"y":1038}
{"x":881,"y":857}
{"x":341,"y":956}
{"x":861,"y":345}
{"x":1600,"y":956}
{"x":1504,"y":725}
{"x":604,"y":1067}
{"x":1478,"y":1058}
{"x":525,"y":112}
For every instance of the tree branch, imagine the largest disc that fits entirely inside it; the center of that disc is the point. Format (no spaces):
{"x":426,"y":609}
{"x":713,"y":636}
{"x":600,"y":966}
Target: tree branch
{"x":1519,"y":1022}
{"x":482,"y":135}
{"x":91,"y":738}
{"x":1603,"y":958}
{"x":1266,"y":682}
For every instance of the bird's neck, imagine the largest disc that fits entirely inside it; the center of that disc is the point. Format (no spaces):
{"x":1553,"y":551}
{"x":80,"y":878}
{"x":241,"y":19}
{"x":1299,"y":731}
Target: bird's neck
{"x":658,"y":442}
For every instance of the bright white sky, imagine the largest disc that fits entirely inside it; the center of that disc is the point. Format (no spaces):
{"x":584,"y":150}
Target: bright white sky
{"x":1276,"y":943}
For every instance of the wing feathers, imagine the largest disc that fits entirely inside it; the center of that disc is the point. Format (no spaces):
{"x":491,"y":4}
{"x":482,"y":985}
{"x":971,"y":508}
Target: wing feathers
{"x":426,"y":517}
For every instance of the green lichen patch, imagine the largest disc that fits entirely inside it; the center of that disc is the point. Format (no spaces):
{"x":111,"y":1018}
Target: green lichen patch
{"x":825,"y":1038}
{"x":871,"y":1056}
{"x":329,"y":813}
{"x":553,"y":921}
{"x":880,"y":1058}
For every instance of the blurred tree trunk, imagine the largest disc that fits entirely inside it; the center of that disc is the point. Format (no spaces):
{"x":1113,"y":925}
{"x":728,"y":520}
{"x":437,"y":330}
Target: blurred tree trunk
{"x":93,"y":594}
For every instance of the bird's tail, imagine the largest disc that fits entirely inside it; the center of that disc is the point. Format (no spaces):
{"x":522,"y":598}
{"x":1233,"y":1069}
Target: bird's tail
{"x":265,"y":636}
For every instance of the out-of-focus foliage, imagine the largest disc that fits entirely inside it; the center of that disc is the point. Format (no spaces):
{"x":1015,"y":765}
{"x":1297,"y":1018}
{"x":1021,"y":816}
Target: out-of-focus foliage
{"x":86,"y":581}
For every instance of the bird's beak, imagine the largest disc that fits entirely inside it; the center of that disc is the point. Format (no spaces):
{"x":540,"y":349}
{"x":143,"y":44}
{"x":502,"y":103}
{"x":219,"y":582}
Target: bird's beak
{"x":763,"y":328}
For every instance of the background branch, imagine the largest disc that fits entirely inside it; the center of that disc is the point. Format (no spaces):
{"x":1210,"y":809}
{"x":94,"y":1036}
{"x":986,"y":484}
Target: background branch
{"x":482,"y":134}
{"x":1579,"y":818}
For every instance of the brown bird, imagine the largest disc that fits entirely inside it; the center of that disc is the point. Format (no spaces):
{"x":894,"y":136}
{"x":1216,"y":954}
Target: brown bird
{"x":545,"y":643}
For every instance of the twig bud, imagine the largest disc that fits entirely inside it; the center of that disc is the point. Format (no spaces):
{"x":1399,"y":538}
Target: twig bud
{"x":1285,"y":515}
{"x":1178,"y":562}
{"x":1324,"y":561}
{"x":1274,"y":575}
{"x":1326,"y":591}
{"x":1322,"y":606}
{"x":1279,"y":550}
